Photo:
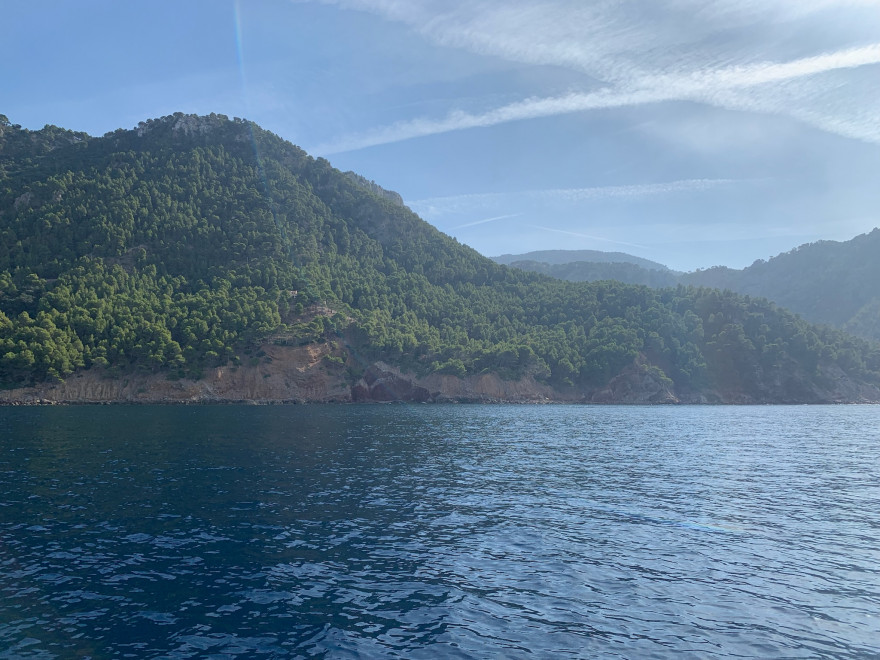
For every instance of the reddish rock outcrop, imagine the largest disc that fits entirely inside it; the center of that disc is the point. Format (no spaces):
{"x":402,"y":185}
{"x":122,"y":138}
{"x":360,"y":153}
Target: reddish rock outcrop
{"x":381,"y":382}
{"x":321,"y":373}
{"x":639,"y":383}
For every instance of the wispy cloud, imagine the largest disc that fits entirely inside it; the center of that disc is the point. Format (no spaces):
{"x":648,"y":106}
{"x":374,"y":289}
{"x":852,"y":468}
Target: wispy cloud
{"x":713,"y":87}
{"x":467,"y":203}
{"x":645,"y":55}
{"x":487,"y":220}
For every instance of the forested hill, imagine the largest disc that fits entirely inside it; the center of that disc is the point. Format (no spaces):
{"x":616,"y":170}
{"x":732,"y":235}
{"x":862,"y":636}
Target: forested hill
{"x":595,"y":271}
{"x":829,"y":282}
{"x":190,"y":242}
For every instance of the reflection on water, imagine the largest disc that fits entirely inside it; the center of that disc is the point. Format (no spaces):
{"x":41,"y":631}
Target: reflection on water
{"x":426,"y":531}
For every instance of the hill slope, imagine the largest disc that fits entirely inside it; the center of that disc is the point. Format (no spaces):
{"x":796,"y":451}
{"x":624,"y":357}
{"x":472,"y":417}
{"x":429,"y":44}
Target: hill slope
{"x":826,"y":282}
{"x":596,"y":271}
{"x":193,"y":248}
{"x":829,"y":282}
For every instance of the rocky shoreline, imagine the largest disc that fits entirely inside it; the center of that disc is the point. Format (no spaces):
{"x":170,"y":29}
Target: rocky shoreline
{"x":321,"y":373}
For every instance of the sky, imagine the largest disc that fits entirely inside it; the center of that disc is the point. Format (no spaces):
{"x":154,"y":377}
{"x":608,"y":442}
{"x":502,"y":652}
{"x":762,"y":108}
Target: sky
{"x":692,"y":133}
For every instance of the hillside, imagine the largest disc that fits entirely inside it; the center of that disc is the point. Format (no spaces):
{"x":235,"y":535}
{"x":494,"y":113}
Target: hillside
{"x":834,"y":283}
{"x":202,"y":258}
{"x":596,"y":271}
{"x":825,"y":282}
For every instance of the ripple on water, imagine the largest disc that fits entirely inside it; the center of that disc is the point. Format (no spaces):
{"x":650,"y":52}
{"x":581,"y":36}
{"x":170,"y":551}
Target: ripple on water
{"x":460,"y":531}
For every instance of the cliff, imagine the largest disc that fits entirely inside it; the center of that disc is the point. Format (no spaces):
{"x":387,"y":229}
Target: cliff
{"x":321,"y":373}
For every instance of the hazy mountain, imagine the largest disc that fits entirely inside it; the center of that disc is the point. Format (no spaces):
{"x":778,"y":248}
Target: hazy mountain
{"x":825,"y":282}
{"x":836,"y":283}
{"x":555,"y":257}
{"x":590,"y":271}
{"x":209,"y":250}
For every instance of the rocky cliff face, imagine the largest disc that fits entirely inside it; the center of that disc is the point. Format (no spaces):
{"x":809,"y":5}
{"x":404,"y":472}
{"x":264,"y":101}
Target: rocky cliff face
{"x":320,"y":373}
{"x":381,"y":382}
{"x":637,"y":384}
{"x":281,"y":374}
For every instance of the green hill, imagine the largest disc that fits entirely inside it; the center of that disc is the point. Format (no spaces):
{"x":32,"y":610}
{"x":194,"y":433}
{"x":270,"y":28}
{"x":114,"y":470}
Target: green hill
{"x":829,"y":282}
{"x":193,"y":243}
{"x":595,"y":271}
{"x":825,"y":282}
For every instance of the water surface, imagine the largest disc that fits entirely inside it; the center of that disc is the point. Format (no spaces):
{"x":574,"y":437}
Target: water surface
{"x":440,"y":531}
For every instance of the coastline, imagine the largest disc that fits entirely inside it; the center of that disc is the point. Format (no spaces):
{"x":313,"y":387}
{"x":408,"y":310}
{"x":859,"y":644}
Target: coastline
{"x":314,"y":373}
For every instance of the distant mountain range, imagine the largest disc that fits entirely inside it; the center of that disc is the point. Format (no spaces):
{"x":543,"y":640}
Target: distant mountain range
{"x":829,"y":282}
{"x":560,"y":257}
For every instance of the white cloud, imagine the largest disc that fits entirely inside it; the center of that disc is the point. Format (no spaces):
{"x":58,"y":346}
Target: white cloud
{"x":717,"y":53}
{"x":487,"y":220}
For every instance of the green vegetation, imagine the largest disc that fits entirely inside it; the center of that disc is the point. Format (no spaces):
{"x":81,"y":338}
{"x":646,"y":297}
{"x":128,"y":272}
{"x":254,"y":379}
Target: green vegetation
{"x":825,"y":282}
{"x":596,"y":271}
{"x":189,"y":241}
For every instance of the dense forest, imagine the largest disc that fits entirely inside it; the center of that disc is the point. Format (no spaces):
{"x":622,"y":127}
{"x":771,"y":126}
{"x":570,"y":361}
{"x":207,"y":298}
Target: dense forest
{"x":189,"y":242}
{"x":595,"y":271}
{"x":829,"y":282}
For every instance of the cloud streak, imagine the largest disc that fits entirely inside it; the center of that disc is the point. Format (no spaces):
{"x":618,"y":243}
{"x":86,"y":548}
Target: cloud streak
{"x":487,"y":220}
{"x":713,"y":87}
{"x":465,"y":203}
{"x":639,"y":56}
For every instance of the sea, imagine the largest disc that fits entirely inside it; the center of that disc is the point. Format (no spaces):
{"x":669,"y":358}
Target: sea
{"x":440,"y":531}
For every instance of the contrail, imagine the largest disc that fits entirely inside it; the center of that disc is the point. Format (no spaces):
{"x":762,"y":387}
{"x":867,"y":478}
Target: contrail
{"x":482,"y":222}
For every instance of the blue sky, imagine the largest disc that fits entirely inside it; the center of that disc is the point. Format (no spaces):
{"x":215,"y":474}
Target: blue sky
{"x":690,"y":133}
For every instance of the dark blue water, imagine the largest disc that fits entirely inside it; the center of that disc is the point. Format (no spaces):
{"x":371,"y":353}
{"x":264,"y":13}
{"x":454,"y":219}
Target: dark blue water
{"x":440,"y":531}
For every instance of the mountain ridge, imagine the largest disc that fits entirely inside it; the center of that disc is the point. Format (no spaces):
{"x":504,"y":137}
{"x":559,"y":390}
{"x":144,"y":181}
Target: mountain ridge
{"x":560,"y":257}
{"x":201,"y":250}
{"x":830,"y":282}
